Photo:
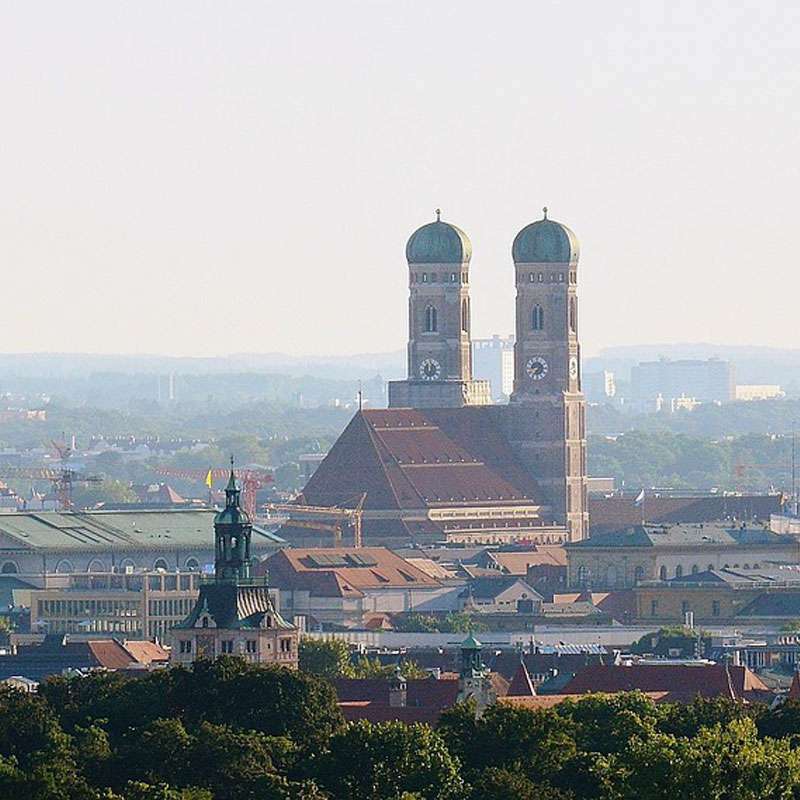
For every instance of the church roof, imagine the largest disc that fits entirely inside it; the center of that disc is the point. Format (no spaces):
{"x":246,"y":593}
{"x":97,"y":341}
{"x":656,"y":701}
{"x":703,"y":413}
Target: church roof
{"x":545,"y":241}
{"x":521,"y":684}
{"x":414,"y":459}
{"x":234,"y":606}
{"x":438,"y":243}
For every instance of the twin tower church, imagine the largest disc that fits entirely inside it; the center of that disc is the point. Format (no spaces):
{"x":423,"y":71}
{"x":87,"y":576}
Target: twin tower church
{"x":444,"y":464}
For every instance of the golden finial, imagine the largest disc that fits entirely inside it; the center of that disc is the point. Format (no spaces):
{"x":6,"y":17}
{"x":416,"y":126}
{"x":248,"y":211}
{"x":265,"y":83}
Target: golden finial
{"x":438,"y":214}
{"x":544,"y":210}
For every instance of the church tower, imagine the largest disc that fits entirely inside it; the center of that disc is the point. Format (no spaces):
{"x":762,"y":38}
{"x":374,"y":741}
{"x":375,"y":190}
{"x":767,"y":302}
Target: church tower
{"x":234,"y":613}
{"x":548,"y":408}
{"x":439,"y":344}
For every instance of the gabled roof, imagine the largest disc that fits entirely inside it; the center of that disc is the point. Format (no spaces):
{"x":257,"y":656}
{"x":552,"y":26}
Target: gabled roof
{"x":677,"y":535}
{"x":234,"y":606}
{"x":349,"y":568}
{"x":773,"y":604}
{"x":682,"y":682}
{"x":521,"y":684}
{"x":516,"y":562}
{"x":489,"y":588}
{"x":614,"y":513}
{"x":414,"y":459}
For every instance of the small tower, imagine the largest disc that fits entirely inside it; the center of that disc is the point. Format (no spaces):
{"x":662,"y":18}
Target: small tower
{"x":234,"y":613}
{"x":439,"y":321}
{"x":474,"y":681}
{"x":548,"y":414}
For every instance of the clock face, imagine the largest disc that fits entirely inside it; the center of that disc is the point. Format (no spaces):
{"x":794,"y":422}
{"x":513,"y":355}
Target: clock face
{"x":573,"y":367}
{"x":429,"y":370}
{"x":536,"y":368}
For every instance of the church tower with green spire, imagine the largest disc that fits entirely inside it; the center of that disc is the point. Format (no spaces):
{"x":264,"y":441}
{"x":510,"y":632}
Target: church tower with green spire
{"x":234,"y":613}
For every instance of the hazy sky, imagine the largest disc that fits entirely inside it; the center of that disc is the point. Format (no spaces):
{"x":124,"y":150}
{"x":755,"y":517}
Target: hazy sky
{"x":214,"y":177}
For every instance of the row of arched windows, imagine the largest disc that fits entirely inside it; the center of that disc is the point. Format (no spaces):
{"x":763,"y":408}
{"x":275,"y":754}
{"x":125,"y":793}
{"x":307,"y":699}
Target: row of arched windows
{"x":436,"y":277}
{"x":553,"y":277}
{"x":64,"y":565}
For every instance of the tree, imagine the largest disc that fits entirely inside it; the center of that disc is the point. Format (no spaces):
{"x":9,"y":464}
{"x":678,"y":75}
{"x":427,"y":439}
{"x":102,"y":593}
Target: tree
{"x":505,"y":784}
{"x":326,"y":659}
{"x":381,"y":762}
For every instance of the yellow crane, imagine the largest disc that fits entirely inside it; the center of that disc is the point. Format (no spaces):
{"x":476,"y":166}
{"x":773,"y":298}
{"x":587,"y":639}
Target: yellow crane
{"x":325,"y":518}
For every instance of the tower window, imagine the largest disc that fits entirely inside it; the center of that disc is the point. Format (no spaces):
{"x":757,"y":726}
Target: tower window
{"x":465,"y":315}
{"x":537,"y":318}
{"x":540,"y":277}
{"x":531,"y":277}
{"x":431,"y":322}
{"x":573,"y":315}
{"x":453,"y":277}
{"x":424,"y":277}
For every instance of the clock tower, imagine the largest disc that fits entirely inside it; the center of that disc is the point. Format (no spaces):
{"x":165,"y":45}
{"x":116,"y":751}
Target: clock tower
{"x":548,"y":411}
{"x":439,"y":345}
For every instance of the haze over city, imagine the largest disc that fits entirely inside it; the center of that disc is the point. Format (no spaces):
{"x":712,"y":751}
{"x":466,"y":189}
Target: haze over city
{"x":165,"y":164}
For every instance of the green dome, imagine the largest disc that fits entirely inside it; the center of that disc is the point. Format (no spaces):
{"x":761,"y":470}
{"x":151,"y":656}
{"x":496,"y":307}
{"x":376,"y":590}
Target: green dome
{"x":438,"y":243}
{"x":545,"y":241}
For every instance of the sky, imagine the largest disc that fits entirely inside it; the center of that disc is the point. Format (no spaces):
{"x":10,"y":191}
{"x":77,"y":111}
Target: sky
{"x":203,"y":178}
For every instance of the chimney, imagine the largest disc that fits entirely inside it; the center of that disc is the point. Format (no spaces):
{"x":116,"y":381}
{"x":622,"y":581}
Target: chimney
{"x":398,"y":690}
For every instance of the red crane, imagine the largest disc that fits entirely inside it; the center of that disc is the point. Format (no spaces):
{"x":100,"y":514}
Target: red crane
{"x":252,"y":480}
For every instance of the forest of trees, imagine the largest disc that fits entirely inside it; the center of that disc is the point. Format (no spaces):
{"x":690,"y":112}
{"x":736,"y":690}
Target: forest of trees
{"x":232,"y":731}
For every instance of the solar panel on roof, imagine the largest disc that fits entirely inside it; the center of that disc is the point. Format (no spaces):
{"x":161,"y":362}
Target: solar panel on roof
{"x":362,"y":561}
{"x":327,"y":560}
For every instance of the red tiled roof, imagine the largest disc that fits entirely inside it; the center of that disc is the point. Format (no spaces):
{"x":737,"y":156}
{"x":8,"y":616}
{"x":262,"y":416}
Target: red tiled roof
{"x":411,"y":459}
{"x":378,"y":712}
{"x":681,"y":682}
{"x":521,"y":684}
{"x":549,"y":700}
{"x":110,"y":654}
{"x":145,"y":652}
{"x":305,"y":568}
{"x":616,"y":513}
{"x":421,"y":693}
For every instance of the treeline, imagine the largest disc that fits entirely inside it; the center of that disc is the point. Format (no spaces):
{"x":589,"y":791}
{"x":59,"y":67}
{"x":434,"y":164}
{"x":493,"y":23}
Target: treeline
{"x":232,"y":731}
{"x":643,"y":459}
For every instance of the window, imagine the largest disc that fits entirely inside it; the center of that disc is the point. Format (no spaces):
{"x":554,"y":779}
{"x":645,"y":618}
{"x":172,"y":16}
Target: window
{"x":64,"y":566}
{"x":715,"y":608}
{"x":638,"y":574}
{"x":582,"y":575}
{"x":96,"y":565}
{"x":250,"y":646}
{"x":540,"y":277}
{"x":186,"y":647}
{"x":424,"y":277}
{"x":695,"y":569}
{"x":710,"y":567}
{"x":537,"y":318}
{"x":685,"y":607}
{"x":679,"y":571}
{"x":431,"y":322}
{"x":161,"y":564}
{"x":573,"y":315}
{"x":653,"y":608}
{"x":465,"y":315}
{"x":531,"y":277}
{"x":9,"y":568}
{"x":453,"y":277}
{"x":227,"y":645}
{"x":662,"y":573}
{"x":192,"y":564}
{"x":286,"y":645}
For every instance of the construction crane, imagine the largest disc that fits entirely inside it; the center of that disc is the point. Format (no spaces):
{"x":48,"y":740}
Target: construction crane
{"x":63,"y":480}
{"x":252,"y":480}
{"x":326,"y":518}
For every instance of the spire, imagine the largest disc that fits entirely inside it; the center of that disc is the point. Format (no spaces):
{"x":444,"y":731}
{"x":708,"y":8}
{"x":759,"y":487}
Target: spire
{"x":438,"y":214}
{"x":544,"y":211}
{"x":232,"y":490}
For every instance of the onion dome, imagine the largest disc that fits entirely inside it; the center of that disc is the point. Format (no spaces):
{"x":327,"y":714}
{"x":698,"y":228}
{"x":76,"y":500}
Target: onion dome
{"x":438,"y":243}
{"x":545,"y":241}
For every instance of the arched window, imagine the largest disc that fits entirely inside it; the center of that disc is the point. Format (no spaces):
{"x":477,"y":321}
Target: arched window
{"x":431,"y":322}
{"x":465,"y":315}
{"x":9,"y":568}
{"x":695,"y":569}
{"x":638,"y":574}
{"x":424,"y":277}
{"x":161,"y":564}
{"x":537,"y":318}
{"x":64,"y":567}
{"x":531,"y":277}
{"x":679,"y":571}
{"x":96,"y":565}
{"x":582,"y":575}
{"x":192,"y":564}
{"x":127,"y":563}
{"x":573,"y":315}
{"x":662,"y":573}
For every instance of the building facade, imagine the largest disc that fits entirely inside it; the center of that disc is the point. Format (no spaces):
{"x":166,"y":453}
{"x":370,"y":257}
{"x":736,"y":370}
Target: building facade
{"x":234,"y":613}
{"x":441,"y":462}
